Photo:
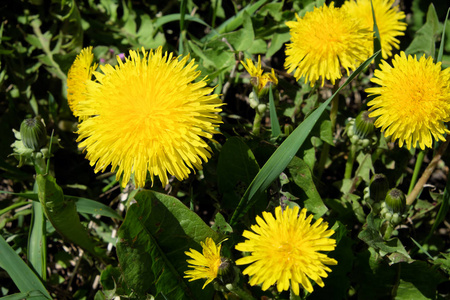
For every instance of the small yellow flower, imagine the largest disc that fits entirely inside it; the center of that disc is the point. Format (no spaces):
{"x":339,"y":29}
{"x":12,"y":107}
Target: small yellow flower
{"x":322,"y":42}
{"x":259,"y":80}
{"x":412,"y":102}
{"x":144,"y":115}
{"x":206,"y":265}
{"x":285,"y":250}
{"x":388,"y":22}
{"x":79,"y":74}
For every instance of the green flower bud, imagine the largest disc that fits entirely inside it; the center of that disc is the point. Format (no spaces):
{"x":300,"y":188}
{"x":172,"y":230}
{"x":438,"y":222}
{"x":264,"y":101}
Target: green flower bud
{"x":378,"y":187}
{"x":364,"y":125}
{"x":395,"y":201}
{"x":33,"y":134}
{"x":226,"y":272}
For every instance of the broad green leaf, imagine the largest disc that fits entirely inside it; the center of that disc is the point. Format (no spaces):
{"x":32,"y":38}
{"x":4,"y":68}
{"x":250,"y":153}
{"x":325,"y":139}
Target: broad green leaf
{"x":157,"y":230}
{"x":418,"y":281}
{"x":302,"y":176}
{"x":287,"y":150}
{"x":371,"y":236}
{"x":24,"y":278}
{"x":176,"y":17}
{"x":62,"y":213}
{"x":235,"y":21}
{"x":242,"y":39}
{"x":326,"y":133}
{"x":278,"y":40}
{"x":220,"y":225}
{"x":424,"y":41}
{"x":236,"y":169}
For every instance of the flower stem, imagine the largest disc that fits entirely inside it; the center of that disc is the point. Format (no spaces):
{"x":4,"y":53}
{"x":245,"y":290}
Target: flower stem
{"x":241,"y":293}
{"x":350,"y":162}
{"x":326,"y":146}
{"x":257,"y":123}
{"x":426,"y":174}
{"x":417,"y":167}
{"x":388,"y":232}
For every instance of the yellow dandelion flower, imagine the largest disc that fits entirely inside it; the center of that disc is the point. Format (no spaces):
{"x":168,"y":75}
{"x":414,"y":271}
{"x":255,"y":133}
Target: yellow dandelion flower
{"x":413,"y":100}
{"x":79,"y":74}
{"x":284,"y":250}
{"x":322,"y":42}
{"x":388,"y":22}
{"x":204,"y":265}
{"x":259,"y":80}
{"x":147,"y":115}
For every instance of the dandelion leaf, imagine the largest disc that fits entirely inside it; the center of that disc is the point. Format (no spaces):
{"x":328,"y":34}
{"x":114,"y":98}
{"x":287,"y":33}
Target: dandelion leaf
{"x":157,"y":230}
{"x":62,"y":213}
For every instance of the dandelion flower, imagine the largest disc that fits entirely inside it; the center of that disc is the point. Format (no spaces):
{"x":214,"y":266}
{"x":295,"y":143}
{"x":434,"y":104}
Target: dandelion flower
{"x":285,"y":249}
{"x":206,"y":265}
{"x":259,"y":80}
{"x":147,"y":115}
{"x":388,"y":22}
{"x":412,"y":102}
{"x":79,"y":74}
{"x":322,"y":42}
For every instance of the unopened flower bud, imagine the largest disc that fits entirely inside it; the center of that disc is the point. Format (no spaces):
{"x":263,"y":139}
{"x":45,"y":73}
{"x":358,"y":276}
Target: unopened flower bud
{"x":364,"y":125}
{"x":226,"y":271}
{"x":33,"y":134}
{"x":395,"y":201}
{"x":378,"y":187}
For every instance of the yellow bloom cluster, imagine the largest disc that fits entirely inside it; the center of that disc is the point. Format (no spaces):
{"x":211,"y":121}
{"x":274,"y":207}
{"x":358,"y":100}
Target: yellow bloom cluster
{"x":329,"y":38}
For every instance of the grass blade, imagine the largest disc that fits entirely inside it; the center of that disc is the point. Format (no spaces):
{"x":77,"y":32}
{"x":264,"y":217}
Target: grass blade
{"x":441,"y":47}
{"x":287,"y":150}
{"x":274,"y":124}
{"x":24,"y":278}
{"x":83,"y":205}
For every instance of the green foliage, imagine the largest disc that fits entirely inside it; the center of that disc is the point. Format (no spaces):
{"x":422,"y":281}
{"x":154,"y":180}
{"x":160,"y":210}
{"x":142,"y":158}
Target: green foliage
{"x":69,"y":233}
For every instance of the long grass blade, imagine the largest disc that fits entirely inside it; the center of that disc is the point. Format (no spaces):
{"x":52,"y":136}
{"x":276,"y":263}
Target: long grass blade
{"x":274,"y":123}
{"x":287,"y":150}
{"x":24,"y":278}
{"x":441,"y":46}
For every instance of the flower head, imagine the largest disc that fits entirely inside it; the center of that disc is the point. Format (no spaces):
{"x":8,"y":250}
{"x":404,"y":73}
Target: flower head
{"x":322,"y":42}
{"x":286,"y":249}
{"x":388,"y":22}
{"x":259,"y":80}
{"x":144,"y":115}
{"x":79,"y":74}
{"x":412,"y":102}
{"x":206,"y":265}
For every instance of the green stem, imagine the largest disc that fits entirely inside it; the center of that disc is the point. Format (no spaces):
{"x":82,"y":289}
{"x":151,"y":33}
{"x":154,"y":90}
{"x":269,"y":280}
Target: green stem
{"x":293,"y":296}
{"x":388,"y":232}
{"x":13,"y":206}
{"x":334,"y":109}
{"x":427,"y":173}
{"x":417,"y":167}
{"x":326,"y":147}
{"x":45,"y":47}
{"x":350,"y":162}
{"x":257,"y":123}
